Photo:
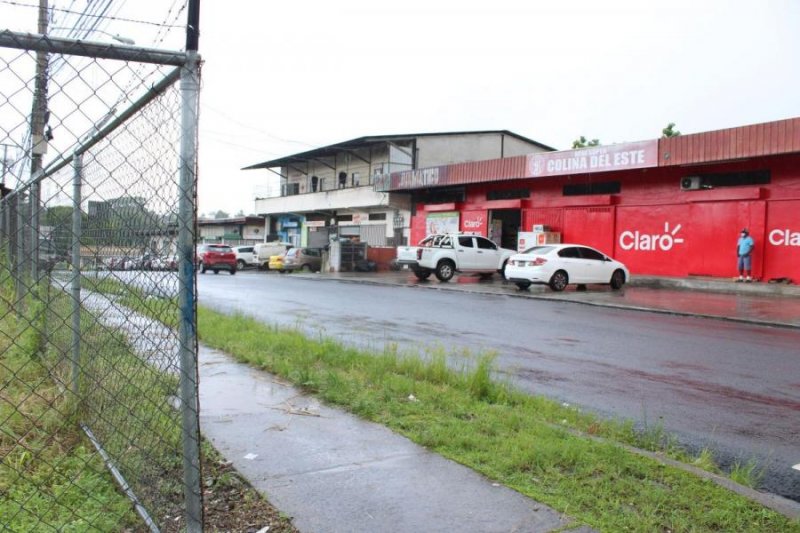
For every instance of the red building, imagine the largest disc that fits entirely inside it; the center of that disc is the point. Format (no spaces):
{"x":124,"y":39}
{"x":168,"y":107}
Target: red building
{"x":671,"y":206}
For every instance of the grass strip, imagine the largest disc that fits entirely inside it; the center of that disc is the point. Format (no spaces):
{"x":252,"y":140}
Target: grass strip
{"x":50,"y":477}
{"x":512,"y":438}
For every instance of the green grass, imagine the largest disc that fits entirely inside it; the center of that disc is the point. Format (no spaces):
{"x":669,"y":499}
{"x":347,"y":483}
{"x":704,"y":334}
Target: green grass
{"x":50,"y":477}
{"x":524,"y":442}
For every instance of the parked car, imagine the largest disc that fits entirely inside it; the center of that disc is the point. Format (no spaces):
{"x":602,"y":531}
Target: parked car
{"x":265,"y":250}
{"x":559,"y":265}
{"x":245,"y":257}
{"x":448,"y":253}
{"x":216,"y":257}
{"x":308,"y":259}
{"x":276,"y":262}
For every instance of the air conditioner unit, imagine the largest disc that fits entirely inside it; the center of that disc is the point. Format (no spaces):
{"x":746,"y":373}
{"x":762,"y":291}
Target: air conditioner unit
{"x":691,"y":183}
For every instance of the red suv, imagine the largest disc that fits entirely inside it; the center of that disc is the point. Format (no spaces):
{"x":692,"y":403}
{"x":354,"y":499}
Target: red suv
{"x":216,"y":257}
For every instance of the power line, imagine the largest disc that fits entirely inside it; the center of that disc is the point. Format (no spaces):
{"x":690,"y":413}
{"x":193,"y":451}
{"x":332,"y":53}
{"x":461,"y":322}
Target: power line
{"x":61,"y":10}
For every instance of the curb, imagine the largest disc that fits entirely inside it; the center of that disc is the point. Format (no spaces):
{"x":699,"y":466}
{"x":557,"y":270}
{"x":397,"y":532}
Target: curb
{"x":444,"y":287}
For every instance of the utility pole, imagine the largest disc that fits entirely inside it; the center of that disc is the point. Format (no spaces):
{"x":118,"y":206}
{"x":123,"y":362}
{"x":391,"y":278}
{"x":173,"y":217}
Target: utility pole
{"x":38,"y":140}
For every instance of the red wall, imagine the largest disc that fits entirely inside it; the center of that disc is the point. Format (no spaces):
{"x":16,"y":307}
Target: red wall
{"x":703,"y":226}
{"x":782,"y":241}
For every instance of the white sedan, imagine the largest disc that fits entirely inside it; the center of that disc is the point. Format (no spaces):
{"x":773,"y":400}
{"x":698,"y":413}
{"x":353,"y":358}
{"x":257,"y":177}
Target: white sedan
{"x":559,"y":265}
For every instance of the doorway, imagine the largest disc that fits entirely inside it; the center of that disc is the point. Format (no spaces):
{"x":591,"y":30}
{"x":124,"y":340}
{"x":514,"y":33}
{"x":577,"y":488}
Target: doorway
{"x":504,"y":226}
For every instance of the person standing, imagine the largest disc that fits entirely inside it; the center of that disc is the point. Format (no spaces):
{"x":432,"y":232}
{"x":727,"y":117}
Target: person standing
{"x":744,"y":251}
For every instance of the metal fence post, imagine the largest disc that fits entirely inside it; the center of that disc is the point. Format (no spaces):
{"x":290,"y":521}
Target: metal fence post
{"x":187,"y":335}
{"x":77,"y":162}
{"x":20,"y":258}
{"x":34,"y":204}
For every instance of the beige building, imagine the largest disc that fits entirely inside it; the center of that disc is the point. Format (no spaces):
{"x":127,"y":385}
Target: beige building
{"x":232,"y":230}
{"x":338,"y":189}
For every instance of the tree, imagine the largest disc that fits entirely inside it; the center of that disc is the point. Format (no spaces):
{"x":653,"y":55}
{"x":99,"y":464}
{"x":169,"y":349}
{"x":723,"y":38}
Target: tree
{"x":239,"y":213}
{"x":221,"y":214}
{"x":581,"y":142}
{"x":670,"y":131}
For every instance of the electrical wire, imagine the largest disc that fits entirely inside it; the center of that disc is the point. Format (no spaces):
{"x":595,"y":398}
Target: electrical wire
{"x":60,"y":10}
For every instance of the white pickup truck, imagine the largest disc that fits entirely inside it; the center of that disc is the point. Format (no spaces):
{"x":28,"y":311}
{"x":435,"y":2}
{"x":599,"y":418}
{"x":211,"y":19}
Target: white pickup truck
{"x":446,"y":254}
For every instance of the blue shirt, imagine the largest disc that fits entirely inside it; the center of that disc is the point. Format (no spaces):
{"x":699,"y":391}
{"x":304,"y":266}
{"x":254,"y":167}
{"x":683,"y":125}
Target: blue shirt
{"x":745,"y":245}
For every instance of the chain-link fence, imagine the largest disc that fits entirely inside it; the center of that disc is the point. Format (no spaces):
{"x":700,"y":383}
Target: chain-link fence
{"x":98,"y":376}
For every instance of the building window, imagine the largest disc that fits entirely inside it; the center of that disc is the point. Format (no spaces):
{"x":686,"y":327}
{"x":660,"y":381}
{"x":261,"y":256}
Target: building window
{"x":508,"y":194}
{"x":377,"y":216}
{"x":344,"y":218}
{"x":735,"y":179}
{"x":580,"y":189}
{"x":444,"y":195}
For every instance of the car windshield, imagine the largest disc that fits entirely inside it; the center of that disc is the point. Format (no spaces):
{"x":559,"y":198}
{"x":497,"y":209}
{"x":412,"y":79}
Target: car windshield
{"x":539,"y":250}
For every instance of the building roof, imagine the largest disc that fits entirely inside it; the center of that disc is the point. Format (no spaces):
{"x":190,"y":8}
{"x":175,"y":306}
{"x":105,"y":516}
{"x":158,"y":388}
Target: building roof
{"x":365,"y":142}
{"x":753,"y":140}
{"x":230,"y":221}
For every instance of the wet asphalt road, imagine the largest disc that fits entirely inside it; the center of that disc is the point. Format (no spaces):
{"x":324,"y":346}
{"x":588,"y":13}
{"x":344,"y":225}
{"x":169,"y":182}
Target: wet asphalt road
{"x":731,"y":387}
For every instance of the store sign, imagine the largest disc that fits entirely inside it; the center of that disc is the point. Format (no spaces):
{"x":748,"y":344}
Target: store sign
{"x":446,"y":222}
{"x":651,"y":242}
{"x":419,"y":178}
{"x":315,"y":223}
{"x":474,"y":222}
{"x":643,"y":154}
{"x":784,"y":237}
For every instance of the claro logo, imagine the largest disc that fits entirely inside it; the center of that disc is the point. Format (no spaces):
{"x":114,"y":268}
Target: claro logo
{"x":636,"y":240}
{"x":784,"y":237}
{"x":474,"y":223}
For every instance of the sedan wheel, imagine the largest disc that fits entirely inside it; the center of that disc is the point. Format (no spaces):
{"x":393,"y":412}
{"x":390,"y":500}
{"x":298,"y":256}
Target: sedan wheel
{"x":202,"y":268}
{"x":617,"y":280}
{"x":523,"y":284}
{"x":240,"y":264}
{"x":559,"y":281}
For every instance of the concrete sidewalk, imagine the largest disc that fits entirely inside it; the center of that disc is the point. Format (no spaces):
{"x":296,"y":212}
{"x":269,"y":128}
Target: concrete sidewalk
{"x":753,"y":303}
{"x":333,"y":472}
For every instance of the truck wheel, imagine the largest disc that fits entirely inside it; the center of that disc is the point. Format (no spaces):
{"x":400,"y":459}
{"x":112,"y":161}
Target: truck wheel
{"x":422,"y":274}
{"x":445,"y":270}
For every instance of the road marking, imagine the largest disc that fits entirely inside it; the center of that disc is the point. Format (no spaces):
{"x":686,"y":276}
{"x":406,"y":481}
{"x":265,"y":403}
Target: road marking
{"x":797,"y":466}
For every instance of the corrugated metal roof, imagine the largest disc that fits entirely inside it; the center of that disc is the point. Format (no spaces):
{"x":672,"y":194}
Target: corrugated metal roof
{"x":769,"y":138}
{"x":365,"y":142}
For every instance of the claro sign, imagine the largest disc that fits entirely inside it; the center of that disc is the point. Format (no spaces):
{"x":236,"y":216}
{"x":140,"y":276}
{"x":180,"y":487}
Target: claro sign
{"x":784,"y":237}
{"x":651,"y":242}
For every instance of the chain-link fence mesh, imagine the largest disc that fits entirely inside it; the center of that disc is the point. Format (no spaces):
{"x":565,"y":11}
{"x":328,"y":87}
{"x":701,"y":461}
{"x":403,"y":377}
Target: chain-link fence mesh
{"x":98,"y":388}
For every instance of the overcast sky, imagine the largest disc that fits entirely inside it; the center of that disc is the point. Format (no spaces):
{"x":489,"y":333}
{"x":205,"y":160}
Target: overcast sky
{"x":283,"y":77}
